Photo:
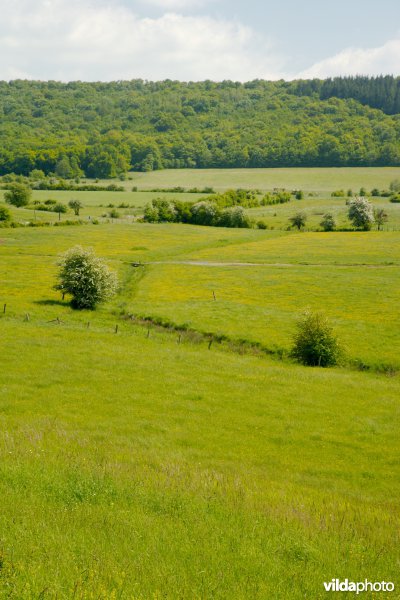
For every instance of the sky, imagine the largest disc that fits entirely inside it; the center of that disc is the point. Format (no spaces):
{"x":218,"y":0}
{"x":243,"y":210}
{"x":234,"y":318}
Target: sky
{"x":194,"y":40}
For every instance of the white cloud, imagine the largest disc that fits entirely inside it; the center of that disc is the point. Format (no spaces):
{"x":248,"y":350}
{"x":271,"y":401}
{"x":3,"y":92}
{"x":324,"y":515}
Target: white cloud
{"x":176,"y":4}
{"x":359,"y":61}
{"x":72,"y":39}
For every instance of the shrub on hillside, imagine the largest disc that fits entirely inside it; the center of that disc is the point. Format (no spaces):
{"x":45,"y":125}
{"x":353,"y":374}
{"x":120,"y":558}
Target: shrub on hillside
{"x":314,"y":342}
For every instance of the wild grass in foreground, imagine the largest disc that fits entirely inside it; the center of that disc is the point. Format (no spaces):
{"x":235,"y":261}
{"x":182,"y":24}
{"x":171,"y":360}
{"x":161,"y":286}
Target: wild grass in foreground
{"x":120,"y":478}
{"x":137,"y":467}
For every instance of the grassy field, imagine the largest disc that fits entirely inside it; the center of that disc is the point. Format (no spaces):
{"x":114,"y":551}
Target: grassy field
{"x":96,"y":205}
{"x":133,"y":466}
{"x":315,"y":180}
{"x":277,"y":216}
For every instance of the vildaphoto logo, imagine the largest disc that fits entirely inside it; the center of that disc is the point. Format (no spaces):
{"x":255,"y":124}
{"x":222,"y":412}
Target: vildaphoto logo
{"x":358,"y":586}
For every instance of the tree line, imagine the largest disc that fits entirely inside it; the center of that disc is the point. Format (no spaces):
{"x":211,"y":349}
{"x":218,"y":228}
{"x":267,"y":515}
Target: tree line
{"x":105,"y":129}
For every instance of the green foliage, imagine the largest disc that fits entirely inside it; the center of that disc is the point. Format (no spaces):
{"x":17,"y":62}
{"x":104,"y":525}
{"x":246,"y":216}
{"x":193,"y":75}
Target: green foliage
{"x":86,"y":278}
{"x":361,"y":213}
{"x":328,"y":222}
{"x":298,"y":220}
{"x":76,"y":206}
{"x":380,"y":216}
{"x":218,"y":210}
{"x":114,"y":214}
{"x":340,"y":194}
{"x":382,"y":92}
{"x":5,"y":214}
{"x":18,"y":195}
{"x":395,"y":185}
{"x":277,"y":197}
{"x":105,"y":129}
{"x":314,"y":342}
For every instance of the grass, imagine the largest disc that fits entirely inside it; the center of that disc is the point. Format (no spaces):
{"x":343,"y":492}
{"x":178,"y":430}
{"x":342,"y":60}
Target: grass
{"x":136,"y":467}
{"x":95,"y":204}
{"x":277,"y":216}
{"x":321,"y":180}
{"x":113,"y":481}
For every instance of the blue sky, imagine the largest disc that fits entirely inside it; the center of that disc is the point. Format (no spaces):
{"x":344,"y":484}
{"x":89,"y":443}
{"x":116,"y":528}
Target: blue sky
{"x":197,"y":39}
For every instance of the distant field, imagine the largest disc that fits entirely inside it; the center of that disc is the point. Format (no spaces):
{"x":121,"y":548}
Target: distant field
{"x":95,"y":204}
{"x":314,"y":180}
{"x":277,"y":216}
{"x":138,"y":465}
{"x":98,"y":205}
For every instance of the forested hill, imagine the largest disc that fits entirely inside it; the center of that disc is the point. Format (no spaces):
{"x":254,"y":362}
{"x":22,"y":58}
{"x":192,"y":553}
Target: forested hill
{"x":102,"y":129}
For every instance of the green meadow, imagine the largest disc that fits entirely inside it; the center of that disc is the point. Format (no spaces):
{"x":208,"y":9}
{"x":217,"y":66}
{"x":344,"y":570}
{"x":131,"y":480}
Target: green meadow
{"x":140,"y":464}
{"x":314,"y":180}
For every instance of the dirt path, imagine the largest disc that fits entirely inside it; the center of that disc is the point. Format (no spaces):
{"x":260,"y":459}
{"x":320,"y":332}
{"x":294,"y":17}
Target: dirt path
{"x":205,"y":263}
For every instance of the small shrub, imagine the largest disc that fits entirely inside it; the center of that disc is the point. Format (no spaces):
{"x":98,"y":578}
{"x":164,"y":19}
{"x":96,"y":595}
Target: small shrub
{"x":328,"y":222}
{"x":395,"y":185}
{"x":18,"y":195}
{"x":5,"y":215}
{"x":298,"y":220}
{"x":381,"y":217}
{"x":315,"y":344}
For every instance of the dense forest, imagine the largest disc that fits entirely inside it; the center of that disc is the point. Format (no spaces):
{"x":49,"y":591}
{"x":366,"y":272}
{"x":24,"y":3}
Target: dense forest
{"x":104,"y":129}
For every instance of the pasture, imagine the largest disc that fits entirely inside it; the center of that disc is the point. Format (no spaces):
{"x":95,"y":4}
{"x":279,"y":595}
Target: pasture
{"x":320,"y":180}
{"x":137,"y":465}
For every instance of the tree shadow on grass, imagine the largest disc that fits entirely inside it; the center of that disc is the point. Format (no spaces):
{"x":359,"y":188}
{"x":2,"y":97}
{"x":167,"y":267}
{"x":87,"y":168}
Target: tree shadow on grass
{"x":52,"y":302}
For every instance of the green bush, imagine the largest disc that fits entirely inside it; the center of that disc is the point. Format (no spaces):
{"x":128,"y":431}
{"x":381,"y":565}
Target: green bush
{"x":298,"y":220}
{"x":18,"y":194}
{"x":328,"y":222}
{"x":5,"y":215}
{"x":314,"y":342}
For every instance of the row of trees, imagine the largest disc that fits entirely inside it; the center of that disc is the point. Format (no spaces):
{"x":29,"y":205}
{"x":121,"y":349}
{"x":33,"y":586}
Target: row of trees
{"x":19,"y":195}
{"x":200,"y":213}
{"x":382,"y":92}
{"x":361,"y":213}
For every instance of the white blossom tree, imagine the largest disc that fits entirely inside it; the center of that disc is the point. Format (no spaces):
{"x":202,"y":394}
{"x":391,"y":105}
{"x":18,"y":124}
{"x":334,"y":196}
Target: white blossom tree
{"x":86,"y":278}
{"x":361,"y":213}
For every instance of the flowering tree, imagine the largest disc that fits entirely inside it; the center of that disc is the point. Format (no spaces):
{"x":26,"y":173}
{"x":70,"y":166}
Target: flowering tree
{"x":86,"y":278}
{"x":361,"y":213}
